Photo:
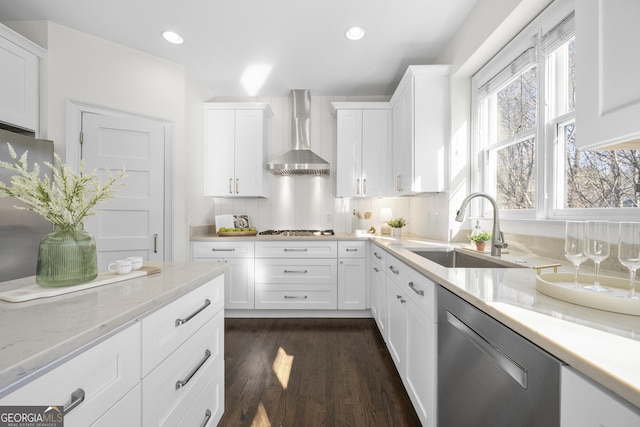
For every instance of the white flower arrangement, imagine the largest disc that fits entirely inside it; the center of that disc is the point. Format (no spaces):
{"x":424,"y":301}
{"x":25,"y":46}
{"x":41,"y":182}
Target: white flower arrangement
{"x":67,"y":198}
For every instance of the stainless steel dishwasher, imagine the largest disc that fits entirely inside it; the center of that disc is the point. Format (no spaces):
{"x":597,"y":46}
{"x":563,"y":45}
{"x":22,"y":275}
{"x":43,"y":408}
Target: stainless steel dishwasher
{"x":488,"y":375}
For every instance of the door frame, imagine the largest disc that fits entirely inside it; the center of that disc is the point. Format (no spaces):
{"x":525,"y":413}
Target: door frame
{"x":74,"y":125}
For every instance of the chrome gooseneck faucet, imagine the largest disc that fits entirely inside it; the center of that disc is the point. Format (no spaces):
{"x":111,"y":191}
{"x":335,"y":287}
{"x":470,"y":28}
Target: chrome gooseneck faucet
{"x":497,"y":239}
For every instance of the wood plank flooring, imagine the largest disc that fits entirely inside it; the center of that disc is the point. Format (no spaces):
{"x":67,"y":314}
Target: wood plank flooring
{"x":311,"y":372}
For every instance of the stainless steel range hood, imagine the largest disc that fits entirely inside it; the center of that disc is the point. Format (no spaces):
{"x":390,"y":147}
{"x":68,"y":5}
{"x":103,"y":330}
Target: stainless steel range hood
{"x":300,"y":160}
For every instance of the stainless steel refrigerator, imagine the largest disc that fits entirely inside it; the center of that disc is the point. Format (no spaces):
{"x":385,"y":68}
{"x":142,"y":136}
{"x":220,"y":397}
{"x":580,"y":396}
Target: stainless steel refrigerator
{"x":20,"y":230}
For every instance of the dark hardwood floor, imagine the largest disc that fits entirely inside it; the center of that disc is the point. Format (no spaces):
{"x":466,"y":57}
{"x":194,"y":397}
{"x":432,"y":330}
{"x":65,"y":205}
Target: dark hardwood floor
{"x":311,"y":372}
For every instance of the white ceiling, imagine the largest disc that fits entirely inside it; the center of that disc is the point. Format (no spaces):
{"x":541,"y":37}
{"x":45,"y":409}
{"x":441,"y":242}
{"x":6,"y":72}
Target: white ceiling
{"x":302,"y":41}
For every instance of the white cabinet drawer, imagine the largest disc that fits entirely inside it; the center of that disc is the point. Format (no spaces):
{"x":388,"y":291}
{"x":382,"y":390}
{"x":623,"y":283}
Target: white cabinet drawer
{"x":208,"y":408}
{"x":170,"y":389}
{"x":284,"y":296}
{"x":351,"y":249}
{"x":422,"y":291}
{"x":297,"y":249}
{"x":378,"y":256}
{"x":230,"y":249}
{"x":127,"y":412}
{"x":307,"y":271}
{"x":105,"y":372}
{"x":166,"y":329}
{"x":396,"y":269}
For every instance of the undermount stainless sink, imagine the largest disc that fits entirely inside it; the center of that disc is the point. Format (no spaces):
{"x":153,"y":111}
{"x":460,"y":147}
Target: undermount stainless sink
{"x":452,"y":258}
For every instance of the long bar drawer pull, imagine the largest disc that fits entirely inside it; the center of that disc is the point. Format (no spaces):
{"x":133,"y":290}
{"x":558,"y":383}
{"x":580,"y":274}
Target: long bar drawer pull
{"x":77,"y":397}
{"x":295,"y":297}
{"x":504,"y":362}
{"x":182,"y":383}
{"x":394,"y":270}
{"x":296,"y":271}
{"x":179,"y":322}
{"x":207,"y":418}
{"x":413,"y":288}
{"x":223,"y":250}
{"x":295,"y":249}
{"x":352,"y":249}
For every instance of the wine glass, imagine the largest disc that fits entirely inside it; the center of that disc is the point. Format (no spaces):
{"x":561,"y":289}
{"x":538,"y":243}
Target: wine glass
{"x":629,"y":252}
{"x":598,"y":249}
{"x":575,"y":245}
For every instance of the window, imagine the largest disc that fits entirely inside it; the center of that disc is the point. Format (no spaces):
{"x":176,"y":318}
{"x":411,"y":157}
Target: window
{"x":524,"y":103}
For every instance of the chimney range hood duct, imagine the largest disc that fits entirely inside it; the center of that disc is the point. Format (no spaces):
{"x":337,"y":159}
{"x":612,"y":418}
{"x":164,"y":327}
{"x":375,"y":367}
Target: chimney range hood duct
{"x":300,"y":160}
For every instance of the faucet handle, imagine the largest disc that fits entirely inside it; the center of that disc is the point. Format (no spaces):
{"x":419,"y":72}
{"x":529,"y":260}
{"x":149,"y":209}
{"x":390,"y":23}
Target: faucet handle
{"x":501,"y":244}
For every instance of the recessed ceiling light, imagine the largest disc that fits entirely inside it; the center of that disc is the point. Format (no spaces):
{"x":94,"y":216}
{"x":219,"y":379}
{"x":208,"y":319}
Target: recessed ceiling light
{"x":354,"y":33}
{"x":173,"y":37}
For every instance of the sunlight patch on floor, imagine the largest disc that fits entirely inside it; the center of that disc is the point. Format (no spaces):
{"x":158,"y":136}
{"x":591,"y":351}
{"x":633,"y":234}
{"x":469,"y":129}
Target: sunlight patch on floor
{"x":261,"y":419}
{"x":282,"y":367}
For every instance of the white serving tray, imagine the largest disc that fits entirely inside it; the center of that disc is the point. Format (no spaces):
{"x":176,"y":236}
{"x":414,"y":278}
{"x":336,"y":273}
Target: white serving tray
{"x":561,"y":286}
{"x":31,"y":292}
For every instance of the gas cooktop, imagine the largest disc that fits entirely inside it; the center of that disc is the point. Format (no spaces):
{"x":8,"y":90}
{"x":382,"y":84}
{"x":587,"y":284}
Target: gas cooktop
{"x":296,"y":233}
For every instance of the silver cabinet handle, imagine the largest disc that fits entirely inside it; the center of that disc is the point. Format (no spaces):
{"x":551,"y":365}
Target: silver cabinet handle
{"x":223,"y":250}
{"x":364,"y":186}
{"x":413,"y":288}
{"x":402,"y":300}
{"x":296,"y":271}
{"x":375,"y":254}
{"x":182,"y":383}
{"x":376,"y":269}
{"x":155,"y":243}
{"x":230,"y":185}
{"x":77,"y":397}
{"x":294,"y":297}
{"x":237,"y":185}
{"x":296,"y":249}
{"x":394,"y":270}
{"x":207,"y":418}
{"x":351,"y":250}
{"x":358,"y":186}
{"x":504,"y":362}
{"x":179,"y":322}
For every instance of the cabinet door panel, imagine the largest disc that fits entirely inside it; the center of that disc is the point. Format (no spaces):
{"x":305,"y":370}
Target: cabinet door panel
{"x":375,"y":137}
{"x":219,"y":143}
{"x":348,"y":153}
{"x":352,"y":291}
{"x":239,"y":284}
{"x":607,"y":57}
{"x":249,"y":161}
{"x":396,"y":326}
{"x":19,"y":86}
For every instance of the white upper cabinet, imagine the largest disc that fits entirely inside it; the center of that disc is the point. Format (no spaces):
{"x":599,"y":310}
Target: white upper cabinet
{"x":420,"y":131}
{"x":363,"y":135}
{"x":236,"y":146}
{"x":607,"y":63}
{"x":19,"y":93}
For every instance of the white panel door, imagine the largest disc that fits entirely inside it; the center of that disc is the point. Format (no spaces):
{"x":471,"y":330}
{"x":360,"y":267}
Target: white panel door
{"x":348,"y":153}
{"x":375,"y":136}
{"x":132,"y":223}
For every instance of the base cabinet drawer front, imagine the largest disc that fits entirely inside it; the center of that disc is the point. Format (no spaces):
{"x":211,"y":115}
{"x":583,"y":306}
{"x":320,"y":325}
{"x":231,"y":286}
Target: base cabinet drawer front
{"x":231,"y":249}
{"x":171,"y":388}
{"x":309,"y":271}
{"x":378,"y":256}
{"x":208,"y":408}
{"x":297,"y":249}
{"x":351,"y":249}
{"x":166,"y":329}
{"x":296,"y":296}
{"x":103,"y":374}
{"x":421,"y":291}
{"x":127,"y":412}
{"x":396,"y":270}
{"x":585,"y":404}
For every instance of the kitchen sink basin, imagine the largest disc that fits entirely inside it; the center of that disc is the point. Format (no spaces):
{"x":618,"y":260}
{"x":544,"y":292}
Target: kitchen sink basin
{"x":452,"y":258}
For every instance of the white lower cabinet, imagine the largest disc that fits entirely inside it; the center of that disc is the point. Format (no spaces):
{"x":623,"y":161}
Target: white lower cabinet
{"x":585,"y":404}
{"x":409,"y":328}
{"x":93,"y":382}
{"x":352,"y":283}
{"x":378,"y":286}
{"x":239,"y":279}
{"x":127,"y":412}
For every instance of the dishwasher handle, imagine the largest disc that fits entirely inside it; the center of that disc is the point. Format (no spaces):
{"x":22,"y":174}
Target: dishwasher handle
{"x":504,"y":362}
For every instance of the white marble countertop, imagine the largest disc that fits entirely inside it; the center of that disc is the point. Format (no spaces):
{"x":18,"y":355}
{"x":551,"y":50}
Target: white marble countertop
{"x":39,"y":334}
{"x":604,"y":346}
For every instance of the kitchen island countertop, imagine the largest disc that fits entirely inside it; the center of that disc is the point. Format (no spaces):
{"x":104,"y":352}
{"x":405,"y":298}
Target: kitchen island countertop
{"x":40,"y":334}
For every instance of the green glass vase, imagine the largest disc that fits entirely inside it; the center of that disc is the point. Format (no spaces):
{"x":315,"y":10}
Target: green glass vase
{"x":66,"y":256}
